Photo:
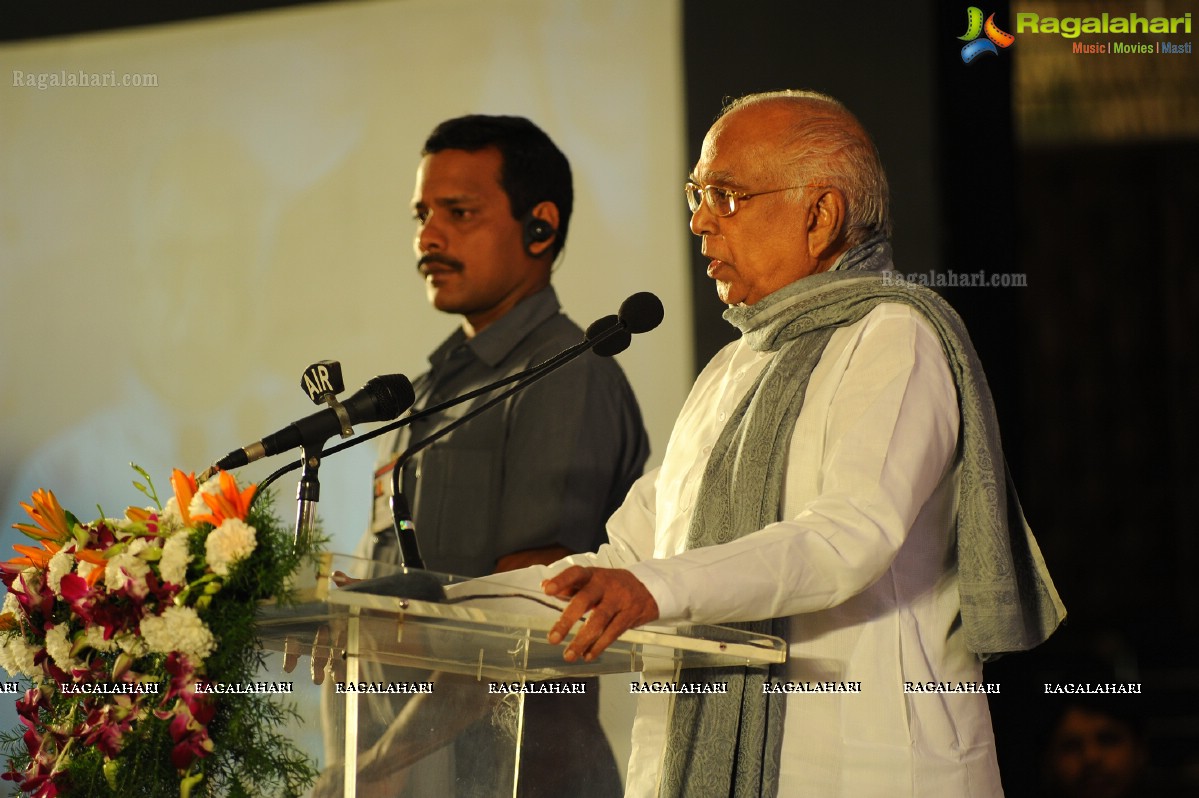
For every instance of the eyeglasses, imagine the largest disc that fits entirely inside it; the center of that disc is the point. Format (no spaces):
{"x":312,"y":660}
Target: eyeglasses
{"x":722,"y":201}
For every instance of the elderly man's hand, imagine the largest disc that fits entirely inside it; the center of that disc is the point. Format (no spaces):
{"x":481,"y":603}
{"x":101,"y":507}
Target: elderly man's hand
{"x":613,"y":599}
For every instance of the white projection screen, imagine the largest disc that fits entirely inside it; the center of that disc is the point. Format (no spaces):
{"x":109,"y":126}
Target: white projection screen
{"x":175,"y":251}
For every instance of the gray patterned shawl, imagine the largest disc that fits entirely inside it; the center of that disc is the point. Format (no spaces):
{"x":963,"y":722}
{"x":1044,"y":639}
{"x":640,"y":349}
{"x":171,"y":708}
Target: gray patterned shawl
{"x":728,"y":744}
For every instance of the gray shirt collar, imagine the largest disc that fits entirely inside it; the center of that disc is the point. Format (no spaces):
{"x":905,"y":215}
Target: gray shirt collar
{"x":500,"y":337}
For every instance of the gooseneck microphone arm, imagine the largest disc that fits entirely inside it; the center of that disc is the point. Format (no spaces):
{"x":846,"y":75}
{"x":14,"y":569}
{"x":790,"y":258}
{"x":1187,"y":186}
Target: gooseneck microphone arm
{"x":401,"y":516}
{"x":640,"y":313}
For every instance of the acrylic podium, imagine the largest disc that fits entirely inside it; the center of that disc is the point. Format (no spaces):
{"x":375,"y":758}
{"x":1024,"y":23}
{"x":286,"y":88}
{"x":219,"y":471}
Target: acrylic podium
{"x":428,"y":687}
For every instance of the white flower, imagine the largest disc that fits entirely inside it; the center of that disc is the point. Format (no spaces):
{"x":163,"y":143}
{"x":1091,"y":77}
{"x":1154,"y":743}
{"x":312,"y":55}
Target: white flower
{"x":175,"y":557}
{"x":200,"y":507}
{"x":94,"y":637}
{"x":11,"y":605}
{"x":169,"y":519}
{"x":84,"y":568}
{"x":58,"y":646}
{"x":137,"y":546}
{"x":122,"y":525}
{"x":178,"y":629}
{"x":60,"y":565}
{"x":16,"y":657}
{"x":127,"y":571}
{"x":131,"y":644}
{"x":229,"y":543}
{"x":31,"y":577}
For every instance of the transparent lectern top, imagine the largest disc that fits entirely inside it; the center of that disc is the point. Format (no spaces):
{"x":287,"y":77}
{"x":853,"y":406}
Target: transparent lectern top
{"x":491,"y":628}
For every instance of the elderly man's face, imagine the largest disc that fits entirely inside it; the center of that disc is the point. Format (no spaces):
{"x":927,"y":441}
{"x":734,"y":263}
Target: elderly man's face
{"x":764,"y":245}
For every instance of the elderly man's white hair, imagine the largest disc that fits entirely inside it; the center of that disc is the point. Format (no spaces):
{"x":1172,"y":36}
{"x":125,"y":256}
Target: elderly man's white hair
{"x":827,"y":145}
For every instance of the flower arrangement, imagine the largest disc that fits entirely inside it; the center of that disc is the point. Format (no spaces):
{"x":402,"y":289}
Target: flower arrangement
{"x":115,"y":622}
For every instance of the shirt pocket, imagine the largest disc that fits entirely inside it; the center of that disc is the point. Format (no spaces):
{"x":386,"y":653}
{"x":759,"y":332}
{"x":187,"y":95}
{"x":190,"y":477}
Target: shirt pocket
{"x":460,"y":485}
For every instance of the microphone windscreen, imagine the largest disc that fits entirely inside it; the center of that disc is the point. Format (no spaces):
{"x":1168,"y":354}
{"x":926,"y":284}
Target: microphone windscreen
{"x":641,"y":312}
{"x":391,"y":394}
{"x":614,"y":343}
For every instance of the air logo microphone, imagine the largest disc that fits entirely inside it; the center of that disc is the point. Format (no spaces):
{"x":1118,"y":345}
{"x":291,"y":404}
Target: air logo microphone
{"x":322,"y":381}
{"x":381,"y":399}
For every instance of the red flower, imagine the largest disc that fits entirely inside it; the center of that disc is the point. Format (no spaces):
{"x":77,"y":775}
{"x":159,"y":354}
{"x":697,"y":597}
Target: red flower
{"x":112,"y":612}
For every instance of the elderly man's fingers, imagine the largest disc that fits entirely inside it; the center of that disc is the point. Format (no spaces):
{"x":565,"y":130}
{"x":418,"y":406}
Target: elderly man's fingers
{"x":584,"y":599}
{"x":615,"y":627}
{"x":606,"y":622}
{"x":613,"y":600}
{"x":567,"y":583}
{"x":592,"y":629}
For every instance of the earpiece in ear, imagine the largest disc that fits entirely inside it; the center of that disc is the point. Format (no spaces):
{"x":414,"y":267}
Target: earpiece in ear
{"x":536,"y":231}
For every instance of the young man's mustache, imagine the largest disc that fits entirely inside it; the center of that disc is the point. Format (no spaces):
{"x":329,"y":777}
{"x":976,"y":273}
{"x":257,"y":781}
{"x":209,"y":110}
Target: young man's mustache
{"x":444,"y":260}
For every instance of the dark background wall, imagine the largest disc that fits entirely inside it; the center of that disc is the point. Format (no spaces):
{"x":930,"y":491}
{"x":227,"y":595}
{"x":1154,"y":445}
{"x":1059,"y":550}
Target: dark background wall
{"x":1092,"y":365}
{"x":882,"y":67}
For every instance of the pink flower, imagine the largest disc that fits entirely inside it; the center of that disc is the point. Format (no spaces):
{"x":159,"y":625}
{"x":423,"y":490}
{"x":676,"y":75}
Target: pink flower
{"x":107,"y":724}
{"x":190,"y":731}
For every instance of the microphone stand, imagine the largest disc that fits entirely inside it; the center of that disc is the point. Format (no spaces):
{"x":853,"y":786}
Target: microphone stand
{"x":308,"y":493}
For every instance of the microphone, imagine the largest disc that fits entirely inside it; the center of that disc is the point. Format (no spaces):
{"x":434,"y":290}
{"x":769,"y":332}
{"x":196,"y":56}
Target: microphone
{"x":609,"y":336}
{"x":641,"y":312}
{"x":381,"y":399}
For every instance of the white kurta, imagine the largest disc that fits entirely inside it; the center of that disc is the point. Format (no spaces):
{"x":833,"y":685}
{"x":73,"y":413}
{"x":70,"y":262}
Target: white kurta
{"x":864,"y":566}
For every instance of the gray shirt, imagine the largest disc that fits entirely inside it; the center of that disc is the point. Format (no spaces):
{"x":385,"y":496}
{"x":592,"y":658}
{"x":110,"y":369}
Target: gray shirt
{"x":545,"y":466}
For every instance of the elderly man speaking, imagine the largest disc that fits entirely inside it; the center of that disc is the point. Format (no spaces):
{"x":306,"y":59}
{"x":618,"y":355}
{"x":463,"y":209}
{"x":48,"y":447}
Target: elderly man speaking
{"x":836,"y":478}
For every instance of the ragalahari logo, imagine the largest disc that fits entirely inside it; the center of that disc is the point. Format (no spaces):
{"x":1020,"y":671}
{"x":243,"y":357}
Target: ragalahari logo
{"x":995,"y":38}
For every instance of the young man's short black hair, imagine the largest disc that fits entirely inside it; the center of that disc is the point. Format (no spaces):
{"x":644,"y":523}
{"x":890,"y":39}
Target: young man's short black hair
{"x":534,"y":169}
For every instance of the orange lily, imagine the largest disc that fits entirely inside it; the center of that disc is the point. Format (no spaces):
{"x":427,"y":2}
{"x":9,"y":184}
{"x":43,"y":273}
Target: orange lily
{"x":41,"y":559}
{"x":94,"y":576}
{"x":49,"y":517}
{"x":95,"y":558}
{"x":185,"y":489}
{"x":137,"y":515}
{"x":229,"y":503}
{"x":33,"y":555}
